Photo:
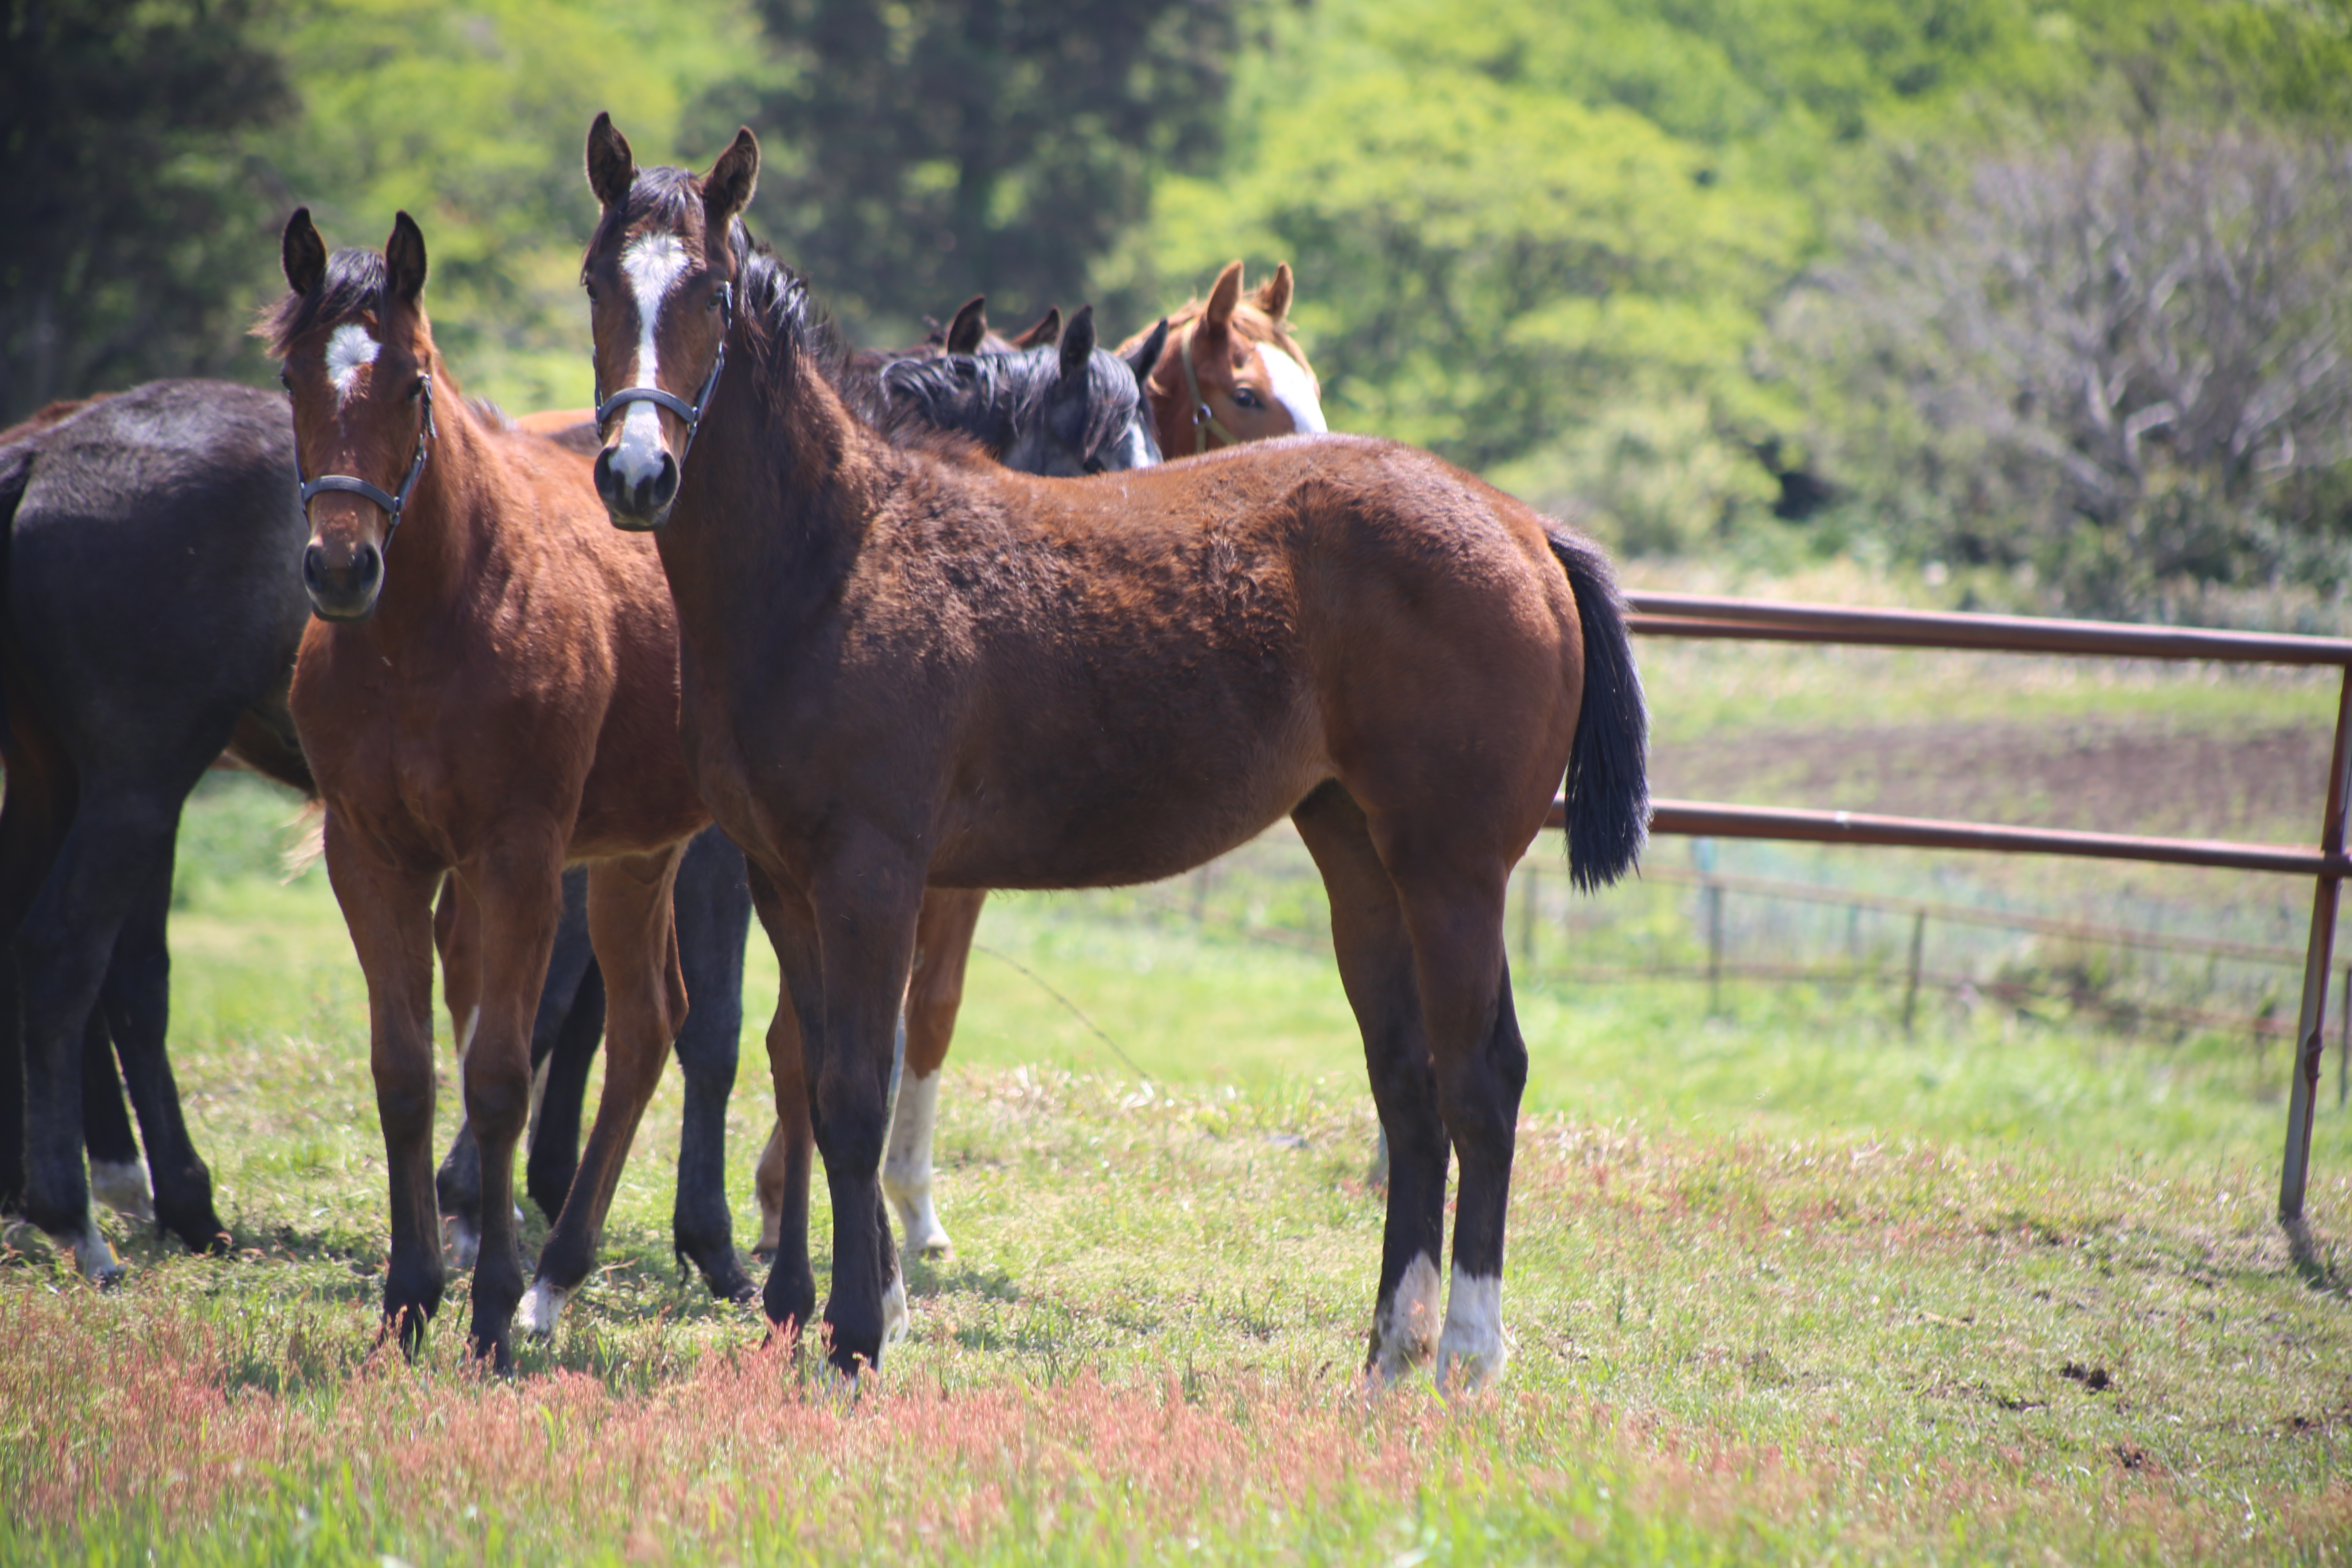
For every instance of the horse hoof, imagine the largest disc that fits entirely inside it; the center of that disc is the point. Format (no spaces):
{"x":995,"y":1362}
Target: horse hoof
{"x":94,"y":1257}
{"x":121,"y":1185}
{"x":1404,"y":1334}
{"x":541,"y":1309}
{"x":462,"y":1242}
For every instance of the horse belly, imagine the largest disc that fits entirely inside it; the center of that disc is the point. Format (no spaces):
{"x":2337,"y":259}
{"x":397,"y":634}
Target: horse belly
{"x":1111,"y":810}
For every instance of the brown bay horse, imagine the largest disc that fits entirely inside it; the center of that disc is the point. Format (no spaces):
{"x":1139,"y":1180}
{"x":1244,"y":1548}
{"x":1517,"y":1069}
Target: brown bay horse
{"x":492,"y":694}
{"x":902,"y":667}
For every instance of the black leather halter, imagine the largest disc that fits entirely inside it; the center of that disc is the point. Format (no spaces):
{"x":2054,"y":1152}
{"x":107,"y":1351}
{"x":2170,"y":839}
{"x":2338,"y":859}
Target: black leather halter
{"x":395,"y":502}
{"x":689,"y":411}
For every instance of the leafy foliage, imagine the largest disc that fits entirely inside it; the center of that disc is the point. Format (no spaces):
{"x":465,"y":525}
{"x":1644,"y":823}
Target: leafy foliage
{"x":922,"y":154}
{"x":130,"y":205}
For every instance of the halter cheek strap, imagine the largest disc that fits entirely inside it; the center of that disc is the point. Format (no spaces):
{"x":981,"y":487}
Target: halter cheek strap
{"x":1205,"y":423}
{"x":691,"y":413}
{"x":394,"y":502}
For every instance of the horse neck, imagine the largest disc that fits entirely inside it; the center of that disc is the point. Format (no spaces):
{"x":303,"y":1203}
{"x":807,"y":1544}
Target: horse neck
{"x":769,"y":514}
{"x":452,"y":526}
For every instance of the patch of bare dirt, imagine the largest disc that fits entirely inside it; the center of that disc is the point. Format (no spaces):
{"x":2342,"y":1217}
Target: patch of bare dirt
{"x":2108,"y":778}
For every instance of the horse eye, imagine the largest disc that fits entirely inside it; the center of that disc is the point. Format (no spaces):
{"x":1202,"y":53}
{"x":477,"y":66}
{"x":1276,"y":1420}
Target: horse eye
{"x":417,"y":391}
{"x":1246,"y":397}
{"x":285,"y":379}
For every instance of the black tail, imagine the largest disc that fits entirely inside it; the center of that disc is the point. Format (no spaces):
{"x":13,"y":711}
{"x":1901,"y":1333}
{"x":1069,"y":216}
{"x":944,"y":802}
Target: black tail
{"x":1608,"y":765}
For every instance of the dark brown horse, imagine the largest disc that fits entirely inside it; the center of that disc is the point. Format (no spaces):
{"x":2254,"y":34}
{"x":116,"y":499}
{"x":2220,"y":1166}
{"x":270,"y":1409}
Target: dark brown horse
{"x":490,"y":689}
{"x":902,"y":667}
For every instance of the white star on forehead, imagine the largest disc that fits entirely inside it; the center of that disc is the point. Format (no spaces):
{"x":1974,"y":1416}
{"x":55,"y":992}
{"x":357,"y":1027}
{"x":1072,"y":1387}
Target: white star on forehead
{"x":351,"y":347}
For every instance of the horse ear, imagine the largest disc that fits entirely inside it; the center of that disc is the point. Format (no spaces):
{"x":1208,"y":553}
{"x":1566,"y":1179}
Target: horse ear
{"x":728,"y":189}
{"x":969,"y":327}
{"x":304,"y":253}
{"x":1223,"y":298}
{"x":1078,"y":342}
{"x":1273,"y":296}
{"x":403,"y":261}
{"x":612,"y":167}
{"x":1144,"y":355}
{"x":1046,"y":334}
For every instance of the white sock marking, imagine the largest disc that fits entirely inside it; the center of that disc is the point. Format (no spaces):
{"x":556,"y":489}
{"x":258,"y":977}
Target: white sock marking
{"x":462,"y":1240}
{"x":349,"y":350}
{"x":541,"y":1307}
{"x":1471,"y":1351}
{"x":1406,"y":1330}
{"x":906,"y":1168}
{"x":894,"y":1307}
{"x":121,"y":1185}
{"x":1293,"y":388}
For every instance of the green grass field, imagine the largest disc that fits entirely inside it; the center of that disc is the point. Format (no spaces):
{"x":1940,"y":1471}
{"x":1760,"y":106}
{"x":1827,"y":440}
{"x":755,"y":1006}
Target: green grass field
{"x":1784,"y":1284}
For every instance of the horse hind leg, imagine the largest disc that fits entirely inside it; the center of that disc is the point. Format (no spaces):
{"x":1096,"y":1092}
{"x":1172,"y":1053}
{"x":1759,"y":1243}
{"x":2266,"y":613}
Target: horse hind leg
{"x":565,"y":1035}
{"x":1455,"y":911}
{"x":136,"y":1003}
{"x":458,"y":1183}
{"x":943,"y":937}
{"x":118,"y":1177}
{"x":1376,"y":968}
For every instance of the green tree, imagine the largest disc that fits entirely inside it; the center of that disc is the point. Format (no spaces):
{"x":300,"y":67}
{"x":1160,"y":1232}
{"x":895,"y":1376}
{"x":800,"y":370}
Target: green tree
{"x":918,"y":153}
{"x":132,"y":208}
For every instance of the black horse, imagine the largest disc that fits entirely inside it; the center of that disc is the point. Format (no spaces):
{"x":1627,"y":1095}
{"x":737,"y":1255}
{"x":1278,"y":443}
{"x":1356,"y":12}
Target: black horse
{"x":149,"y":570}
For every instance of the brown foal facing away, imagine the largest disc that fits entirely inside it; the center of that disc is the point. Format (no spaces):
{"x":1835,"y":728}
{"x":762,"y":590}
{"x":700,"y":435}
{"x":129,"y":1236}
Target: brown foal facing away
{"x":490,"y":689}
{"x":902,"y":667}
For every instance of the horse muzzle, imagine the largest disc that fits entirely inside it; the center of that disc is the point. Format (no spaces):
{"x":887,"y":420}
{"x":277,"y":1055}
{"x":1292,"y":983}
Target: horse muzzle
{"x":346,"y":592}
{"x":636,"y":481}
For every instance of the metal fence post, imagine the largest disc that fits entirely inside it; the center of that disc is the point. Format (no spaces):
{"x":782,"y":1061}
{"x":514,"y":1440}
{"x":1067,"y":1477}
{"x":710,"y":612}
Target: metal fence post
{"x":1911,"y":989}
{"x":2303,"y":1088}
{"x":1714,"y":950}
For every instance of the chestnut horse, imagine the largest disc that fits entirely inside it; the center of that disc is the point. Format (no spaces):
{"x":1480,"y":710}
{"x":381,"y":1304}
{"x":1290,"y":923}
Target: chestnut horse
{"x":903,"y":669}
{"x":1232,"y":371}
{"x":492,"y":694}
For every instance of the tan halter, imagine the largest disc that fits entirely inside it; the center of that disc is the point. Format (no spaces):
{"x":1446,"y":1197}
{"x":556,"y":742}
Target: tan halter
{"x":1205,"y":423}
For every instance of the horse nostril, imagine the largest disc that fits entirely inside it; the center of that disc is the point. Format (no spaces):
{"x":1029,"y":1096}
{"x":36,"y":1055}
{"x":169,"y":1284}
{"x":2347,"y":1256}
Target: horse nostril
{"x":664,"y":483}
{"x":608,"y":484}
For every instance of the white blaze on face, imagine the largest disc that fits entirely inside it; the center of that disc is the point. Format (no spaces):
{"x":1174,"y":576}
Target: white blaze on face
{"x":653,"y":263}
{"x":1293,"y":388}
{"x":1471,"y":1351}
{"x":351,"y":349}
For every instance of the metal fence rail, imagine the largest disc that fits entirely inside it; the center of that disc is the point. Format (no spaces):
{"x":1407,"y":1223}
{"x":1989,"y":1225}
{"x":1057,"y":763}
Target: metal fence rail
{"x":1694,"y":615}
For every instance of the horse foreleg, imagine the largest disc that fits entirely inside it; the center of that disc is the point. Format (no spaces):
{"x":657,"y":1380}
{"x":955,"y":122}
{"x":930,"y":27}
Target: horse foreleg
{"x":865,"y":902}
{"x":1375,"y":959}
{"x":389,"y":909}
{"x":714,"y":916}
{"x":629,"y":920}
{"x":943,"y":937}
{"x":517,"y":890}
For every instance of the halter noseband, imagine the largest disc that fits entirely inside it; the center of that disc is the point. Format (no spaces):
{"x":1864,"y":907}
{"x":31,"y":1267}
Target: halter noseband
{"x":689,"y":411}
{"x":394,"y":502}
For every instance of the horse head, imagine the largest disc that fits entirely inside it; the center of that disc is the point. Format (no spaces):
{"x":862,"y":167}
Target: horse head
{"x":358,"y":361}
{"x":1233,"y":372}
{"x":660,"y":274}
